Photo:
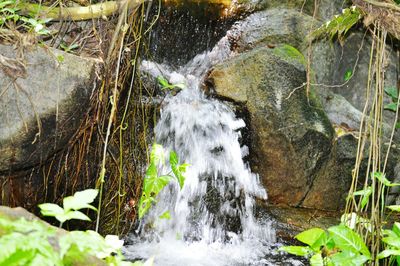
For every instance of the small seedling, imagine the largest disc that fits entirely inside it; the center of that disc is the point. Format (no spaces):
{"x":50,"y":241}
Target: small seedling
{"x":165,"y":85}
{"x":153,"y":183}
{"x":71,"y":206}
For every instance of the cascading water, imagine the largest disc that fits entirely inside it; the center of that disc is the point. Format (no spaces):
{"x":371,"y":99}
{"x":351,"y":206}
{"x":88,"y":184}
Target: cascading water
{"x":212,"y":220}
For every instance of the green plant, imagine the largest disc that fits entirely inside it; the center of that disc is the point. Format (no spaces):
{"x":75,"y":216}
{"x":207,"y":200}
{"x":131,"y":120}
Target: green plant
{"x":71,"y":206}
{"x":9,"y":12}
{"x":392,"y":241}
{"x":339,"y":245}
{"x":38,"y":25}
{"x":33,"y":242}
{"x":394,"y":95}
{"x":153,"y":183}
{"x":290,"y":53}
{"x":69,"y":48}
{"x":348,"y":75}
{"x":339,"y":25}
{"x":165,"y":85}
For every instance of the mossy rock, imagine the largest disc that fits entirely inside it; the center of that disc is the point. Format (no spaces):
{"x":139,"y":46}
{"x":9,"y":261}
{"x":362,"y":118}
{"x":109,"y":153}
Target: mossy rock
{"x":291,"y":137}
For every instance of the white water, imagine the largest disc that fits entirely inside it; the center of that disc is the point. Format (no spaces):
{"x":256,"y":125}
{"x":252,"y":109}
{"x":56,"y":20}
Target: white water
{"x":212,"y":220}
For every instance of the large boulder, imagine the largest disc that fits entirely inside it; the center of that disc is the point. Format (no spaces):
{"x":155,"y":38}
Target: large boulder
{"x":269,"y":28}
{"x":44,"y":96}
{"x":291,"y":137}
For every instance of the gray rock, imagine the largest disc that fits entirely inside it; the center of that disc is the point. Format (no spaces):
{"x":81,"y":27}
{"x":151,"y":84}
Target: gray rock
{"x":43,"y":99}
{"x":291,"y":138}
{"x":325,"y":9}
{"x":330,"y":62}
{"x":271,"y":27}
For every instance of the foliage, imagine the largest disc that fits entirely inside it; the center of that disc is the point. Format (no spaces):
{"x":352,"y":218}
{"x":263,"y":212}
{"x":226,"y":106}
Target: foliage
{"x":165,"y":85}
{"x":153,"y":182}
{"x":71,"y":206}
{"x":348,"y":75}
{"x":32,"y":242}
{"x":392,"y":240}
{"x":69,"y":48}
{"x":291,"y":53}
{"x":9,"y":12}
{"x":393,"y":93}
{"x":340,"y":24}
{"x":338,"y":246}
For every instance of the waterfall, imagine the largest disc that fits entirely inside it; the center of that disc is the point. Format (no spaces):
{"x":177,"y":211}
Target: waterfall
{"x":212,"y":216}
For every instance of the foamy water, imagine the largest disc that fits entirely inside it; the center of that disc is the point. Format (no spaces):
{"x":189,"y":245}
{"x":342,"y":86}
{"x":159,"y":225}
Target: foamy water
{"x":212,"y":217}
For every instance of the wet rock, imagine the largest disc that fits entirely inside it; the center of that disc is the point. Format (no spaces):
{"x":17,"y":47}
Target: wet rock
{"x":185,"y":29}
{"x":269,"y":28}
{"x":332,"y":182}
{"x":43,"y":99}
{"x":291,"y":138}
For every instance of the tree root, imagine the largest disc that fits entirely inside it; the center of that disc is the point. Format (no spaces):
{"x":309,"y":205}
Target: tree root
{"x":387,"y":14}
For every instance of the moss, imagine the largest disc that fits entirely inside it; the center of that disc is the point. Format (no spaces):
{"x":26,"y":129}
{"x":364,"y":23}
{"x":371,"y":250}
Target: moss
{"x":289,"y":53}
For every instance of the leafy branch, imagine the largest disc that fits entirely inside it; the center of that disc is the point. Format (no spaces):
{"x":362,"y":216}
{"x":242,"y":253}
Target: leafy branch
{"x":71,"y":206}
{"x":339,"y":25}
{"x":153,"y":183}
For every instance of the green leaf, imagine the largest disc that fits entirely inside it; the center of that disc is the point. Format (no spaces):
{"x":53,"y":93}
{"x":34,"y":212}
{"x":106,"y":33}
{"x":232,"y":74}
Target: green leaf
{"x":365,"y":193}
{"x":173,"y":158}
{"x":60,"y":58}
{"x":77,"y":215}
{"x":179,"y":85}
{"x":297,"y":250}
{"x":80,"y":200}
{"x":392,"y":92}
{"x":165,"y":85}
{"x":395,"y":208}
{"x":347,"y":239}
{"x":155,"y":185}
{"x":388,"y":232}
{"x":388,"y":252}
{"x":348,"y":75}
{"x":339,"y":24}
{"x":162,"y":81}
{"x":151,"y":171}
{"x":166,"y":215}
{"x":392,"y":241}
{"x":382,"y":178}
{"x":396,"y":228}
{"x":5,"y":3}
{"x":50,"y":209}
{"x":391,"y":106}
{"x":317,"y":260}
{"x":178,"y":170}
{"x":349,"y":258}
{"x":312,"y":237}
{"x":157,"y":154}
{"x":290,"y":53}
